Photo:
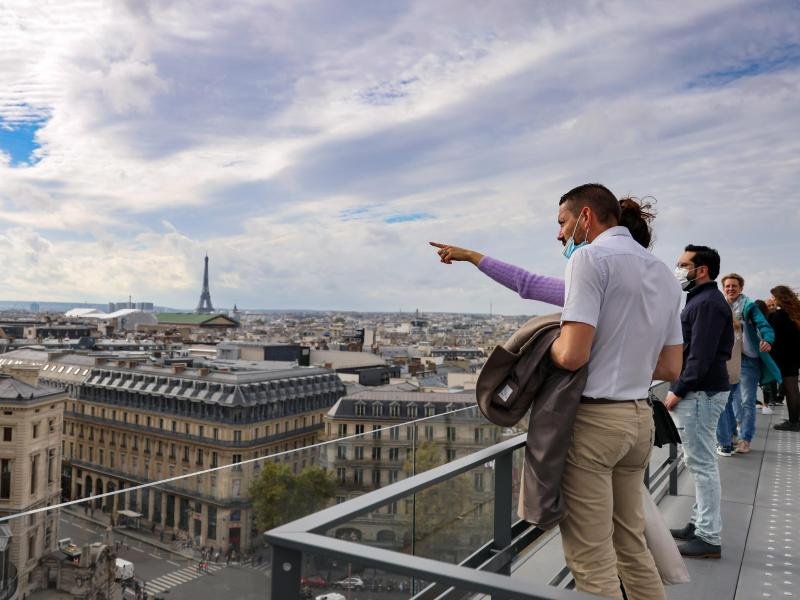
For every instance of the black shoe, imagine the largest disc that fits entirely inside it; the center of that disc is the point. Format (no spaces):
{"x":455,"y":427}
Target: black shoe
{"x":788,"y":426}
{"x":697,"y":548}
{"x":687,"y":533}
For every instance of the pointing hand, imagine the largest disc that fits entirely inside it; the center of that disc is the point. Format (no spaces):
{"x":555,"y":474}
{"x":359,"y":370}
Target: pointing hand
{"x":448,"y":254}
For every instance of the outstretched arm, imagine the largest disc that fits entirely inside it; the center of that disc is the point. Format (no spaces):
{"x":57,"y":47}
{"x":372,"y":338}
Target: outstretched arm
{"x":528,"y":285}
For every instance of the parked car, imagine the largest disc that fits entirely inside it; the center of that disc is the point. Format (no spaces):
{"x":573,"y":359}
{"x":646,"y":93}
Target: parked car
{"x":331,"y":596}
{"x":313,"y":581}
{"x":350,"y":583}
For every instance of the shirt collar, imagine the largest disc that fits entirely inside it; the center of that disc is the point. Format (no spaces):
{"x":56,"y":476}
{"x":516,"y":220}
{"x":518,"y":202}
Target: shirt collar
{"x":617,"y":230}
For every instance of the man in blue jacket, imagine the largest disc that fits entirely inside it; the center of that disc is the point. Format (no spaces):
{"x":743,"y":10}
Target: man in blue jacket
{"x":699,"y":395}
{"x":757,"y":365}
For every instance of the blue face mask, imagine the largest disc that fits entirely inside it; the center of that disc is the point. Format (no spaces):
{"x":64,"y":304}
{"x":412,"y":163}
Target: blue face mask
{"x":571,"y":246}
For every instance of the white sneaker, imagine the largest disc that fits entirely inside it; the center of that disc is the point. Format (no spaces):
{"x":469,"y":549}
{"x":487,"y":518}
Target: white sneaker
{"x":724,"y":451}
{"x":766,"y":410}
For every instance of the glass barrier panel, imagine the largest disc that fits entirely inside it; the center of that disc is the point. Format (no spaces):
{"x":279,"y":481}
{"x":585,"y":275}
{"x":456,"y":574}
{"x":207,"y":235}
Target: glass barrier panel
{"x":187,"y":525}
{"x":323,"y":576}
{"x":184,"y":538}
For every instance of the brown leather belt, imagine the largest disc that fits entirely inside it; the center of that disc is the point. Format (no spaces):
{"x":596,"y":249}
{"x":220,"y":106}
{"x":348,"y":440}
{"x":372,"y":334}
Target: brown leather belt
{"x":587,"y":400}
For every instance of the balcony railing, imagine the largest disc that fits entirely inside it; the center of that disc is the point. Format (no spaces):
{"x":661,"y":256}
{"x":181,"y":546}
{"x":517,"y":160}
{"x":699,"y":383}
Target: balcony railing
{"x":485,"y":571}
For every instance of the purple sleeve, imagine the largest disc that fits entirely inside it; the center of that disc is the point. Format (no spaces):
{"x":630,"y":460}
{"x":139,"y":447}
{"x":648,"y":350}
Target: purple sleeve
{"x":528,"y":285}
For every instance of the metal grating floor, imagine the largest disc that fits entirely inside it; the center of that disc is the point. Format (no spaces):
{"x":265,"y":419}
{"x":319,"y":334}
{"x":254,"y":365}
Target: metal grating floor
{"x":761,"y":525}
{"x":761,"y":521}
{"x":770,"y":562}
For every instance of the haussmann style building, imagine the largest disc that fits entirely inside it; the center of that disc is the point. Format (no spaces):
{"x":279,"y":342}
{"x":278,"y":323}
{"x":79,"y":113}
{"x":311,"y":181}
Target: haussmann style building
{"x":373,"y":445}
{"x":30,"y":457}
{"x":130,"y":423}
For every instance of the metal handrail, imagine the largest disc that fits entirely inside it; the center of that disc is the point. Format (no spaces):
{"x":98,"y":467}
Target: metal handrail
{"x":485,"y":571}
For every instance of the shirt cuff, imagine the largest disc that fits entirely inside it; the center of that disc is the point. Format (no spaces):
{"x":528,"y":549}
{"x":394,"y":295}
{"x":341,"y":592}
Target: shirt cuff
{"x":679,"y":388}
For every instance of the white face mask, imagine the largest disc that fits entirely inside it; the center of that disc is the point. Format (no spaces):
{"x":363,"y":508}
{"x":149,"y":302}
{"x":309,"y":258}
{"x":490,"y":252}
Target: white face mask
{"x":682,"y":275}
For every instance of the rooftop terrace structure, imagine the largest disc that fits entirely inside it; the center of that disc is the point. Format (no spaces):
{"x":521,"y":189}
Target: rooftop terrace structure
{"x":759,"y":547}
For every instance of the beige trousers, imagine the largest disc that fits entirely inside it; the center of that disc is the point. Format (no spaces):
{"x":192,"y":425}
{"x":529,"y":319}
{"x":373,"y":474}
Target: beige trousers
{"x":603,"y":533}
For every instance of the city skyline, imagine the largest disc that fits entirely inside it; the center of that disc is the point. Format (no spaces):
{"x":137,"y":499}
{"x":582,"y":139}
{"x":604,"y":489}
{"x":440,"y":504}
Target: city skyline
{"x":313,"y":149}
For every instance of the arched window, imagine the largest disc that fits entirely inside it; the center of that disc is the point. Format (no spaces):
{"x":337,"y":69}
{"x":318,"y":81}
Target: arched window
{"x":386,"y":536}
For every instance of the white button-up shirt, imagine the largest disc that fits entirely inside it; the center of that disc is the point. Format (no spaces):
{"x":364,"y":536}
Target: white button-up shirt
{"x":633,"y":300}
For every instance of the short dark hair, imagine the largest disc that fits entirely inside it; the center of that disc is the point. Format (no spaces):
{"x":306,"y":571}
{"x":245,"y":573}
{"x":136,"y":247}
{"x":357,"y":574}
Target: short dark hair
{"x":597,"y":197}
{"x":705,"y":257}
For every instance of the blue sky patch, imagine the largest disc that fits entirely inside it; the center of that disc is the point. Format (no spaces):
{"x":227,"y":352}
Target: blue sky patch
{"x":788,"y":57}
{"x":356,"y":212}
{"x":417,"y":216}
{"x":18,"y":140}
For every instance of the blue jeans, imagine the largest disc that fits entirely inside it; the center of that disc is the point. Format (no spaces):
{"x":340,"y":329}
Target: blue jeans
{"x":744,"y":396}
{"x":697,"y":415}
{"x":726,"y":426}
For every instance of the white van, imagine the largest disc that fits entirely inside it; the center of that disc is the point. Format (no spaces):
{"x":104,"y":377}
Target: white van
{"x":123,"y":569}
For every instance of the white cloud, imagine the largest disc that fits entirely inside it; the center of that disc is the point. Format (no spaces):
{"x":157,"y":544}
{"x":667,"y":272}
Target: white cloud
{"x":283,"y":137}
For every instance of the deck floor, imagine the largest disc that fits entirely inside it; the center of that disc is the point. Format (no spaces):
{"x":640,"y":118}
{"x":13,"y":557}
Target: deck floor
{"x":761,"y":525}
{"x":760,"y":518}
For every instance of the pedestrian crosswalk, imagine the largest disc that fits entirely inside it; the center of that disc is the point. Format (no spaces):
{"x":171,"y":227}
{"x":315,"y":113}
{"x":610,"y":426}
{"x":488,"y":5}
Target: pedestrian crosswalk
{"x":264,"y":567}
{"x":176,"y":578}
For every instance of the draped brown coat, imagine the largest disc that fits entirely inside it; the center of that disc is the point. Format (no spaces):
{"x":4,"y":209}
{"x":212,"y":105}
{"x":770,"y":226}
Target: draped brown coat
{"x":518,"y":377}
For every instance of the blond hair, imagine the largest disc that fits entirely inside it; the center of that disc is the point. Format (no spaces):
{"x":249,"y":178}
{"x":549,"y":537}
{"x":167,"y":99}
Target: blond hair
{"x":735,"y":276}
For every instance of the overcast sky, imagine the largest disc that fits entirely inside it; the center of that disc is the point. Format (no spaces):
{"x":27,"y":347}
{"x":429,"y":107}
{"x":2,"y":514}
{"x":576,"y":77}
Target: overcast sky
{"x":313,"y":148}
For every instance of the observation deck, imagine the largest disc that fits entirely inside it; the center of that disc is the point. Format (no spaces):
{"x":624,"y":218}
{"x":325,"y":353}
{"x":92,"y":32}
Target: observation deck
{"x":760,"y":512}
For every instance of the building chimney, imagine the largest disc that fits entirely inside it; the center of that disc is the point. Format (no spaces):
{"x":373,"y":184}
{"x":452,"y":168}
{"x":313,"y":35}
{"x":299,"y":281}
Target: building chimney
{"x":178,"y":368}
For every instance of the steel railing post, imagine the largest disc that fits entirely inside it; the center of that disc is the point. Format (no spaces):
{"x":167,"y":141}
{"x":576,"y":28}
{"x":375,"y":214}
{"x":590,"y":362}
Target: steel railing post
{"x":673,"y":474}
{"x":286,"y":565}
{"x":503,"y":467}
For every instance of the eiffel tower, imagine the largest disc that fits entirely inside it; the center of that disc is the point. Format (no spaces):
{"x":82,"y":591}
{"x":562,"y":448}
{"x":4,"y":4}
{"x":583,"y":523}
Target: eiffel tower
{"x":205,"y":306}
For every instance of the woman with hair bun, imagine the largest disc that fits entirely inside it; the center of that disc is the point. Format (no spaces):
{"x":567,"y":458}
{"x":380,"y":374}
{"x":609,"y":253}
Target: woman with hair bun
{"x":635,"y":214}
{"x":786,"y":350}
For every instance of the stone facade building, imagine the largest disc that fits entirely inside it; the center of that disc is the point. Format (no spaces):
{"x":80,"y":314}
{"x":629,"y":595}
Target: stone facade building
{"x":130,"y":424}
{"x":377,"y":446}
{"x":31,"y":420}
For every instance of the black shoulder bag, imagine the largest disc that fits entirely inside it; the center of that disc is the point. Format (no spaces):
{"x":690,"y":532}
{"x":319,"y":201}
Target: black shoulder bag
{"x":666,"y":432}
